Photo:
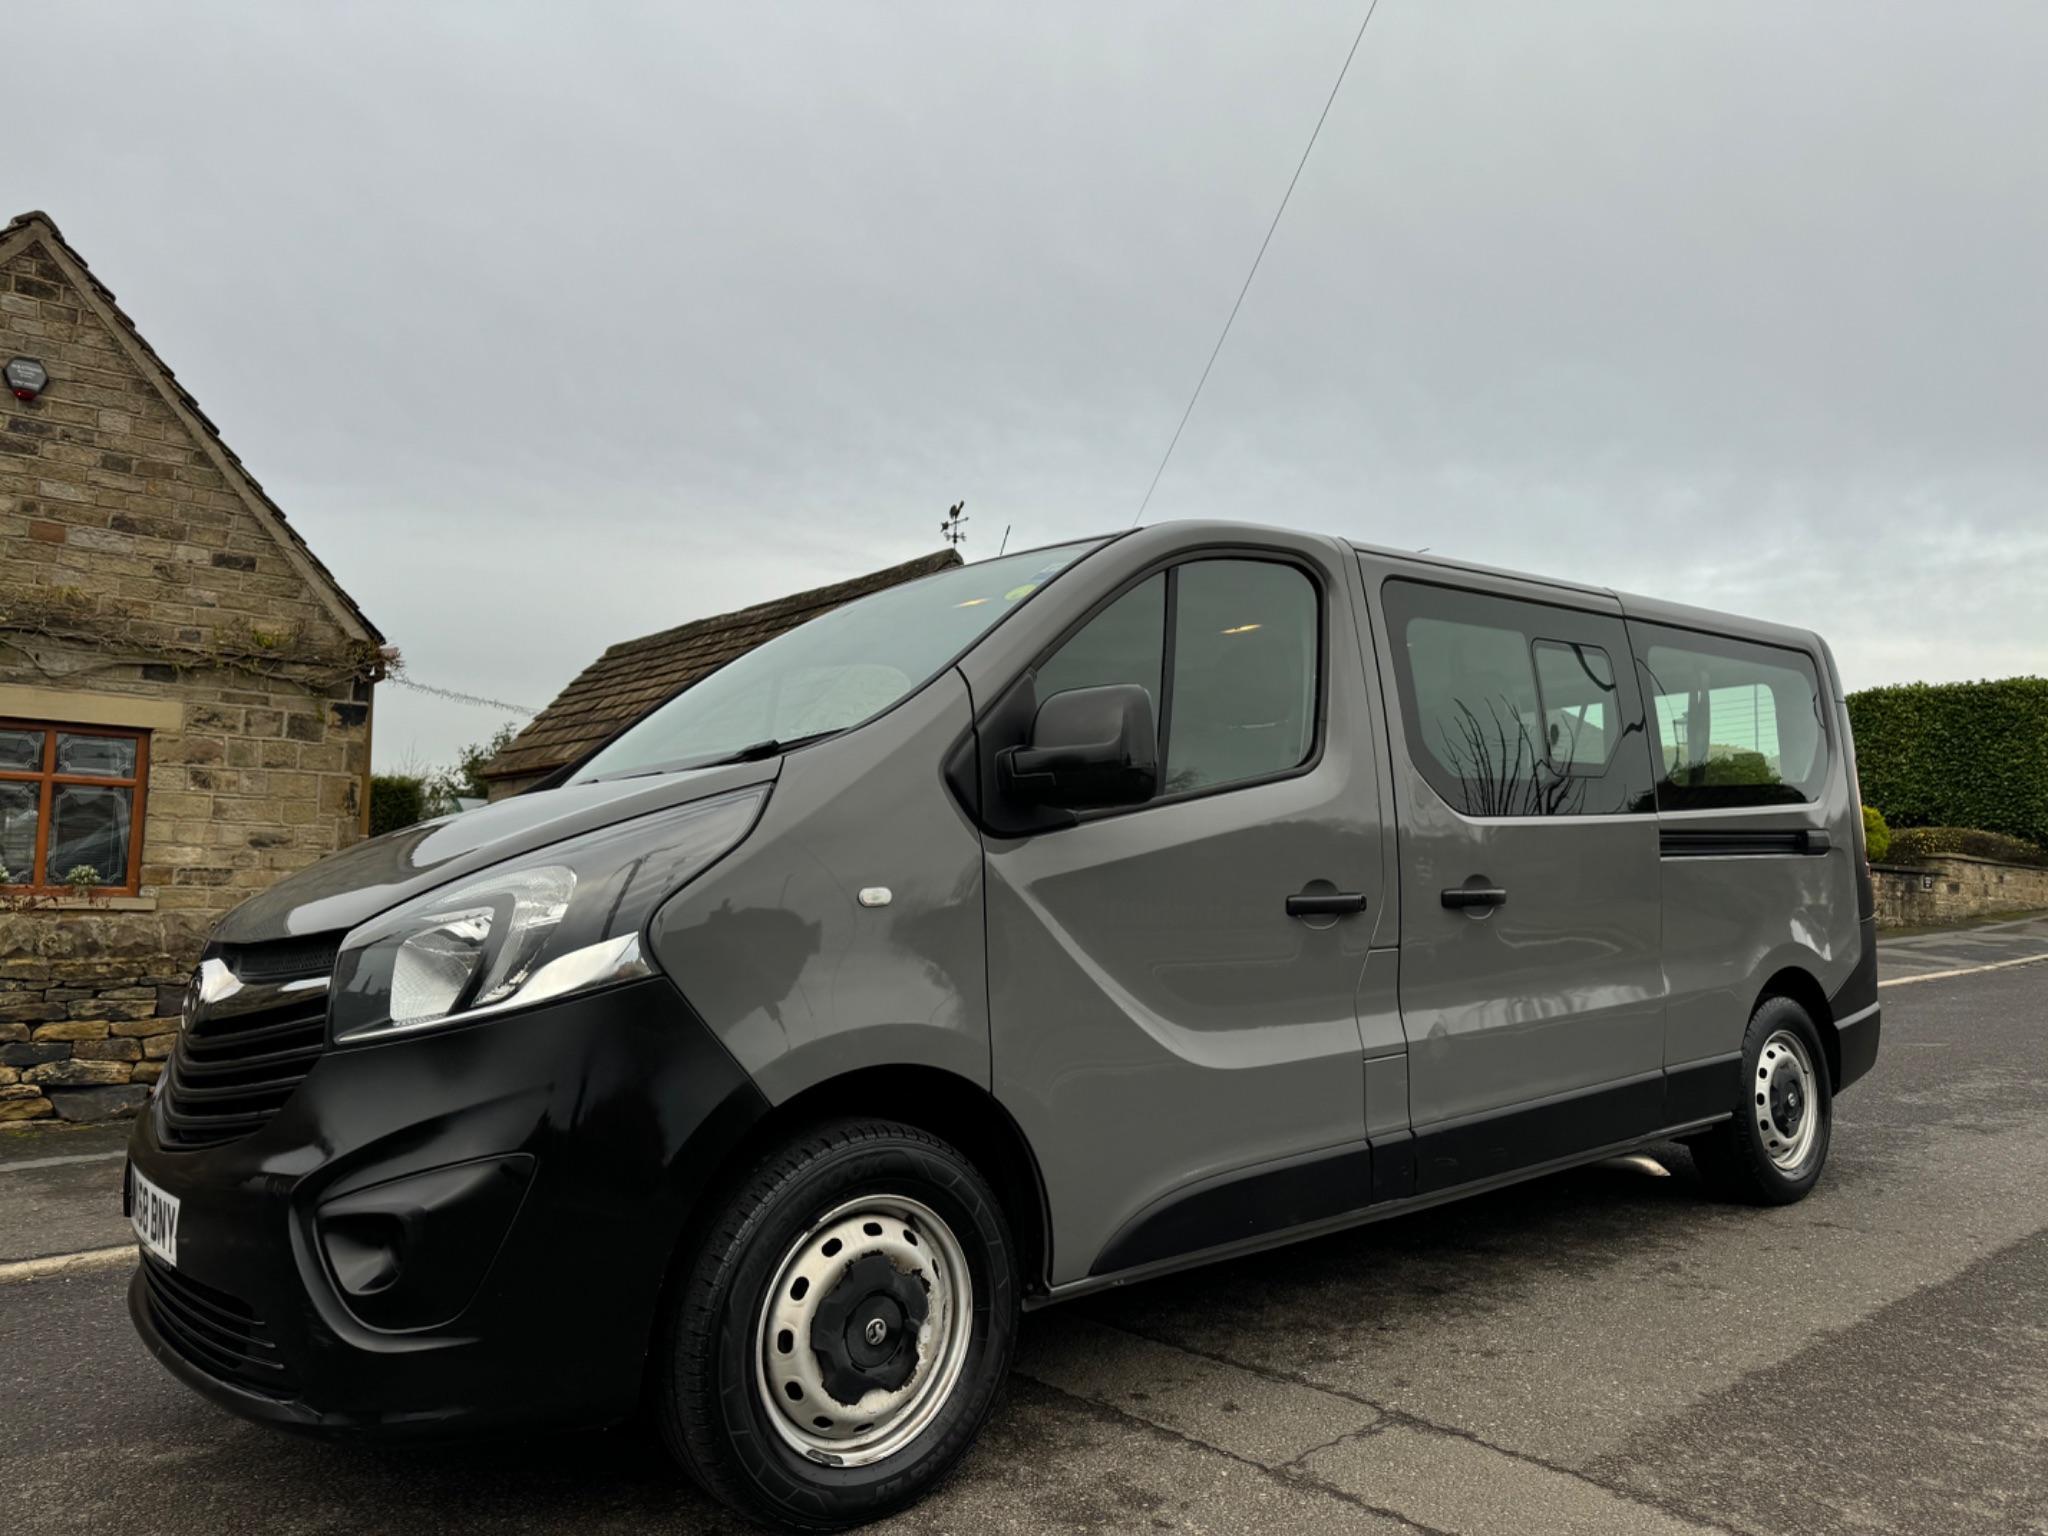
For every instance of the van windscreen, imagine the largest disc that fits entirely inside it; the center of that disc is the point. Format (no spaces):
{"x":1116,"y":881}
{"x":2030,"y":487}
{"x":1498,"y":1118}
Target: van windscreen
{"x":834,"y":672}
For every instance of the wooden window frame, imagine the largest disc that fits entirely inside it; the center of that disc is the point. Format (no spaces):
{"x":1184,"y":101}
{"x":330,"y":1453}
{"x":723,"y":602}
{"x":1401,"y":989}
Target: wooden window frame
{"x":48,"y":779}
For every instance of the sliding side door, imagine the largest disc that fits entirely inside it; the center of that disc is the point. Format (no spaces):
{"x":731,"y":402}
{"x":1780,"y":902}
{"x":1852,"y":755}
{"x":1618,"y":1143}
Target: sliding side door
{"x":1531,"y":972}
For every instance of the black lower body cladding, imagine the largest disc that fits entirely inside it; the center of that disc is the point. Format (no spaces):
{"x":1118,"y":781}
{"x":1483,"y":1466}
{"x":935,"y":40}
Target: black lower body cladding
{"x":445,"y":1233}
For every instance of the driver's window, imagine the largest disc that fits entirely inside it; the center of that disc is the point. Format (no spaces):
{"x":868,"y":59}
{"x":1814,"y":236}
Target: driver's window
{"x":1241,"y":704}
{"x":1125,"y":643}
{"x":1244,"y":673}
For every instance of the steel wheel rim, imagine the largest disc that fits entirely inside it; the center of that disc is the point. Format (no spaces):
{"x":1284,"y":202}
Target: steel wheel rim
{"x":916,"y":1241}
{"x":1787,"y":1107}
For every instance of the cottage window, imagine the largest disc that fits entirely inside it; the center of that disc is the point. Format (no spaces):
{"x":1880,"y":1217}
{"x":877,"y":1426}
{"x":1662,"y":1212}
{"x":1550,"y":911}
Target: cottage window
{"x":71,"y":808}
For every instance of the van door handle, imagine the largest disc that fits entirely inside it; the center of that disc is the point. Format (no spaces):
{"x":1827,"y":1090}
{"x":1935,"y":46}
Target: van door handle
{"x":1464,"y":898}
{"x":1326,"y":904}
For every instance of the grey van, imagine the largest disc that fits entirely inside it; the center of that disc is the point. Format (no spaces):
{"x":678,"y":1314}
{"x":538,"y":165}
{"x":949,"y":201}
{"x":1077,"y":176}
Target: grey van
{"x":1038,"y":927}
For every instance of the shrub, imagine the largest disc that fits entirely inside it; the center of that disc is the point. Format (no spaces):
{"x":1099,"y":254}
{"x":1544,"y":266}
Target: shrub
{"x":1877,"y":836}
{"x":1911,"y":843}
{"x":396,"y":800}
{"x":466,"y":777}
{"x":1731,"y":765}
{"x":1957,"y":754}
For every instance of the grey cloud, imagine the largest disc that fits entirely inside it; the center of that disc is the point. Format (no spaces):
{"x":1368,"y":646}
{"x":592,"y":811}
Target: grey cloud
{"x":553,"y":325}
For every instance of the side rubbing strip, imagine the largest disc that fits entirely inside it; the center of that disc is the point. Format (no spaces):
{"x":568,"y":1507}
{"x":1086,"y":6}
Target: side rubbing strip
{"x":1701,"y":1090}
{"x":1499,"y":1141}
{"x":1249,"y":1203}
{"x":1687,"y":843}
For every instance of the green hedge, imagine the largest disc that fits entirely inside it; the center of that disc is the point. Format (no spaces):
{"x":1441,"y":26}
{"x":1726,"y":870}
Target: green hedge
{"x":396,"y":800}
{"x":1957,"y":754}
{"x":1877,"y":834}
{"x":1914,"y":843}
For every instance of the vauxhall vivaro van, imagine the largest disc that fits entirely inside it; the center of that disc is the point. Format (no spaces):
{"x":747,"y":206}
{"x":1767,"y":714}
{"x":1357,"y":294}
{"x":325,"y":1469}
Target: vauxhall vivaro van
{"x":1037,"y":927}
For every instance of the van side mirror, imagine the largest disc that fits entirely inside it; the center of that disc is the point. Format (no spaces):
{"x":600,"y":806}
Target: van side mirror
{"x":1089,"y":747}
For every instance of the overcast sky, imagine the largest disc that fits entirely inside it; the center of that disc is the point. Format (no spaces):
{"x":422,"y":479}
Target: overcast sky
{"x":553,"y":325}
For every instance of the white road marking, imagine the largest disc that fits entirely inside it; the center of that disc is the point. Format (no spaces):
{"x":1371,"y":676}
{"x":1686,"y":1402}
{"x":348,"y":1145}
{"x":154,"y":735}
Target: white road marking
{"x":24,"y":1164}
{"x":67,"y":1264}
{"x":1967,"y":970}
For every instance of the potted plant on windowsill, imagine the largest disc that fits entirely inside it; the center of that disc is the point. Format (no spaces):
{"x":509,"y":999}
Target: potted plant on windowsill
{"x":81,"y":880}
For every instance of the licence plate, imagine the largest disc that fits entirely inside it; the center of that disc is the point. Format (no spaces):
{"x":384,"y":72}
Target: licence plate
{"x":155,"y":1215}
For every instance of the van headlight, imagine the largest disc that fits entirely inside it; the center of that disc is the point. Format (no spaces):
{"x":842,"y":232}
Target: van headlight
{"x":565,"y":920}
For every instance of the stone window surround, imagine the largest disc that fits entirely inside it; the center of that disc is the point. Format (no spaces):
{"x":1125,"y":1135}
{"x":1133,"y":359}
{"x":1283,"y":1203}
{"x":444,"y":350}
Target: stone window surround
{"x":60,"y":706}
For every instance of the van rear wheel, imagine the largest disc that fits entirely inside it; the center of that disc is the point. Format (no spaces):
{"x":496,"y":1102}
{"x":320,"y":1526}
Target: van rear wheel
{"x":1773,"y":1149}
{"x":842,"y":1331}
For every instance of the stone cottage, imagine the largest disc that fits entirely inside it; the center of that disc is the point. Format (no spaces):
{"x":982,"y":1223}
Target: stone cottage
{"x":185,"y":690}
{"x":634,"y":676}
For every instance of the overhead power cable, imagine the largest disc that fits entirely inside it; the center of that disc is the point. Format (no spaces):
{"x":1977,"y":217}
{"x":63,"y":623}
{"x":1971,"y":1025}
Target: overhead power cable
{"x":1314,"y":134}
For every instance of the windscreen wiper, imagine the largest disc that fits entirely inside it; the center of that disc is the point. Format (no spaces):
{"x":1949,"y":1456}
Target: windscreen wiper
{"x":753,"y":752}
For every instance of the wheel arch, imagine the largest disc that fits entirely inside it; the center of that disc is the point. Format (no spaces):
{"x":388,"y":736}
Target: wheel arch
{"x":933,"y":1099}
{"x":1804,"y":988}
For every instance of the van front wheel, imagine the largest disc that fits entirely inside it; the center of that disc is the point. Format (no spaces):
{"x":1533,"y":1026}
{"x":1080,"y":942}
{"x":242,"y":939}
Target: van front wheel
{"x":841,"y":1331}
{"x":1771,"y":1152}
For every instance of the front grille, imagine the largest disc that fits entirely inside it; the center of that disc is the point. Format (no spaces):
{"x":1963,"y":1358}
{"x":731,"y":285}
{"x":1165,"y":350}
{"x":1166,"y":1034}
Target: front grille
{"x":283,"y":959}
{"x":213,"y":1330}
{"x":249,"y":1040}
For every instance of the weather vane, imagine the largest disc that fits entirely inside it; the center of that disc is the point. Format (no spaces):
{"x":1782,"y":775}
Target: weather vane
{"x":949,"y":525}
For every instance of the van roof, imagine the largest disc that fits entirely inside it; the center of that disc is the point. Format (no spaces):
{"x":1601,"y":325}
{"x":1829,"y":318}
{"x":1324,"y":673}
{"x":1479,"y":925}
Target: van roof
{"x":1473,"y":567}
{"x":1653,"y":610}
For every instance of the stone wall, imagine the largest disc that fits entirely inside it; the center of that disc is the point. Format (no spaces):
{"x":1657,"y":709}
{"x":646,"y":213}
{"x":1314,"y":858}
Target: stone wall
{"x":89,"y":1012}
{"x":1954,"y":887}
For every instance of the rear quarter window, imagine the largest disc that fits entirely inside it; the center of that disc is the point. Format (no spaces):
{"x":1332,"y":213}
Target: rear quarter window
{"x":1734,"y":723}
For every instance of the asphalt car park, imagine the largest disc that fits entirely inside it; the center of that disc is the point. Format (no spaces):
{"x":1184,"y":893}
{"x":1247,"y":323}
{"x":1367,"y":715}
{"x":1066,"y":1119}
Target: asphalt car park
{"x":1601,"y":1351}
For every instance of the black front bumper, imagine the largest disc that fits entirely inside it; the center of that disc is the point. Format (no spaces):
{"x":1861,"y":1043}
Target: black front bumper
{"x":461,"y":1230}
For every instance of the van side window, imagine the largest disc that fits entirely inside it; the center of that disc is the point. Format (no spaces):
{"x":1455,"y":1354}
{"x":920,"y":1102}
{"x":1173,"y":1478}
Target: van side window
{"x":1242,"y":699}
{"x":1514,"y":708}
{"x":1125,"y":643}
{"x":1244,"y":673}
{"x":1737,"y":723}
{"x":1577,"y":685}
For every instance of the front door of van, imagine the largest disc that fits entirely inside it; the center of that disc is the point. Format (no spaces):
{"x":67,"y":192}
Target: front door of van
{"x":1181,"y":1051}
{"x":1531,"y":988}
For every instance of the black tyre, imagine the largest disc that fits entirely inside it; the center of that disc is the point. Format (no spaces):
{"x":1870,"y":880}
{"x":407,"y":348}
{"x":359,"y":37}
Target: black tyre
{"x":1772,"y":1151}
{"x":842,"y":1331}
